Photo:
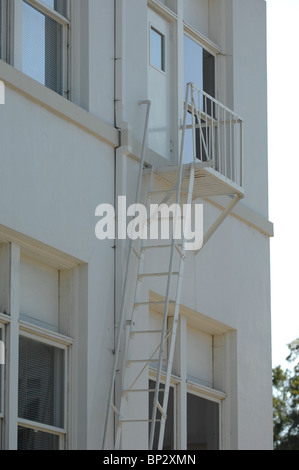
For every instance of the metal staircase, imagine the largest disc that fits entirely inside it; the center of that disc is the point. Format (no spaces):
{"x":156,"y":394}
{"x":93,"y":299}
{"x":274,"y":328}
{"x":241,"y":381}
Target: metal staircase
{"x":130,"y":368}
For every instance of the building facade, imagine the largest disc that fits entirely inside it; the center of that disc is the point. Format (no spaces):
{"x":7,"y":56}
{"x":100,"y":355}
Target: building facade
{"x":78,"y":78}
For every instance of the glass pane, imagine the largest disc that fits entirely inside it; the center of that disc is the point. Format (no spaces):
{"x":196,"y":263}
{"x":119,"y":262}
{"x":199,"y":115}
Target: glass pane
{"x":29,"y":439}
{"x":199,"y":67}
{"x":157,"y":49}
{"x":49,"y":3}
{"x":57,"y":5}
{"x":169,"y":434}
{"x":41,"y":48}
{"x":202,"y":424}
{"x":41,"y":383}
{"x":193,"y":62}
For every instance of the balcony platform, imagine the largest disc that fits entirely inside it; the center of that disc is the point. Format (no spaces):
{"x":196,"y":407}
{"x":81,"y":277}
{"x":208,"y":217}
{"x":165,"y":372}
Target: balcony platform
{"x":207,"y":182}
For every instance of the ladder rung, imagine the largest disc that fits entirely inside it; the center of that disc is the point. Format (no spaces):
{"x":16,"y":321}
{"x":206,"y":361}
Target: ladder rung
{"x":157,"y":274}
{"x":156,"y":302}
{"x":151,"y":247}
{"x":159,"y":191}
{"x":160,"y":408}
{"x":146,"y":331}
{"x":136,"y":253}
{"x":151,"y":219}
{"x":114,"y":408}
{"x":143,"y":360}
{"x":139,"y":390}
{"x":138,"y":421}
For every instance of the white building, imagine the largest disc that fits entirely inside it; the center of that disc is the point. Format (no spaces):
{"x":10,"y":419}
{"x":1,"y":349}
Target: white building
{"x":71,"y":133}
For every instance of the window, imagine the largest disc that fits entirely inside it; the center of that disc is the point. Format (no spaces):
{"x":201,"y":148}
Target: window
{"x":157,"y":49}
{"x":44,"y":54}
{"x":199,"y":69}
{"x":199,"y":66}
{"x":41,"y":406}
{"x":202,"y":423}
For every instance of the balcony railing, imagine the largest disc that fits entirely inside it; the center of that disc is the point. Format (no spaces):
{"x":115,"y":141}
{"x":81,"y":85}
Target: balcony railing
{"x":216,"y":134}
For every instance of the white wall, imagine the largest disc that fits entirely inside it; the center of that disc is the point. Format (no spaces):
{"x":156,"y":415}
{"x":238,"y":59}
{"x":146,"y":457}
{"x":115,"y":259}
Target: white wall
{"x":54,"y":174}
{"x":196,"y":13}
{"x":53,"y":177}
{"x":250,"y":96}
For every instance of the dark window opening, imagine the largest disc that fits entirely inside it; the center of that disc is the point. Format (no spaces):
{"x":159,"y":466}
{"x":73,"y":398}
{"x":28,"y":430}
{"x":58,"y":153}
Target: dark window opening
{"x":202,"y":424}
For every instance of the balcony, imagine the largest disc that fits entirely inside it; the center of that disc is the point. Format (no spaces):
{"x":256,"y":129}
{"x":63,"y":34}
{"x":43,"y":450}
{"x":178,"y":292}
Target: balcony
{"x":212,"y":143}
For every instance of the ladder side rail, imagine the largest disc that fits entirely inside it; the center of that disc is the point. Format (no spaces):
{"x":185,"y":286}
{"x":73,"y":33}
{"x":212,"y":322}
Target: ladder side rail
{"x":128,"y":342}
{"x":175,"y":318}
{"x":125,"y":288}
{"x":159,"y":369}
{"x":138,"y":282}
{"x":126,"y":355}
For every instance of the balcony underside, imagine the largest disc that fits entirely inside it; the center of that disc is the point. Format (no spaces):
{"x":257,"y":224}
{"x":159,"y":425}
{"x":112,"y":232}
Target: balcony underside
{"x":207,"y":182}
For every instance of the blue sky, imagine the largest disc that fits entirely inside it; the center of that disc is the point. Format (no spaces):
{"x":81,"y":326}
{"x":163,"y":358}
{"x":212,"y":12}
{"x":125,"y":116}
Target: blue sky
{"x":283,"y":125}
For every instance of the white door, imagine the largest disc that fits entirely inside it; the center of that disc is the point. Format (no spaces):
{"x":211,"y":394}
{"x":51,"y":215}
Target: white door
{"x":159,"y":74}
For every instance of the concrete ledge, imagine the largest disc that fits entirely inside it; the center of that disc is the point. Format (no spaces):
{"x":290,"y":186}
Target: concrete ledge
{"x":58,"y":105}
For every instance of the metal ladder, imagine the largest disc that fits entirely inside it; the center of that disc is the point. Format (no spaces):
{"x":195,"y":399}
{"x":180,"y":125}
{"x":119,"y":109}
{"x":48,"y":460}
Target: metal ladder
{"x":167,"y":335}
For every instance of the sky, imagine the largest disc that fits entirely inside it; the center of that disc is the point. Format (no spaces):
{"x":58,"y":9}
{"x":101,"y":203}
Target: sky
{"x":283,"y":130}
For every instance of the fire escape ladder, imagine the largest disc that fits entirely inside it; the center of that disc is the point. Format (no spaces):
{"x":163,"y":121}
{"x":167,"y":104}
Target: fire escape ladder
{"x":185,"y":182}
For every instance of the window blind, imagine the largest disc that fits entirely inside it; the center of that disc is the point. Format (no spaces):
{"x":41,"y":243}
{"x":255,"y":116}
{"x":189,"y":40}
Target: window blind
{"x":42,"y":48}
{"x":41,"y":383}
{"x":29,"y":439}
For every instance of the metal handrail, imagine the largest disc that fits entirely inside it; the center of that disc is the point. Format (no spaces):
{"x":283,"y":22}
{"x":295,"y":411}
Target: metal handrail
{"x":217,"y":134}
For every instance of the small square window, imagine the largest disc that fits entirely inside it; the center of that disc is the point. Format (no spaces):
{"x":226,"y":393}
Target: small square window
{"x":157,"y":45}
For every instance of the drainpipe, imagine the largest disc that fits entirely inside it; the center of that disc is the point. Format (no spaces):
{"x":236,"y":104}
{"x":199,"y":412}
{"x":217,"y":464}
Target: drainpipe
{"x":119,"y":169}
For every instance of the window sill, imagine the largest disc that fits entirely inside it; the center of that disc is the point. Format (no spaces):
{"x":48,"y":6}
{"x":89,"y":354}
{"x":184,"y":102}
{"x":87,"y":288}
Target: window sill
{"x":58,"y":105}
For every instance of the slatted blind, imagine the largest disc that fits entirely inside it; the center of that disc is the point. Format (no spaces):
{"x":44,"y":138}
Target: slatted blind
{"x":42,"y":48}
{"x":41,"y":383}
{"x":29,"y":439}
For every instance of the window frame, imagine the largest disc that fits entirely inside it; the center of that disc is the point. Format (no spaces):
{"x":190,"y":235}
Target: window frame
{"x":154,"y":29}
{"x":208,"y":394}
{"x":64,"y":22}
{"x":12,"y":39}
{"x":198,"y":39}
{"x":6,"y":30}
{"x":64,"y":343}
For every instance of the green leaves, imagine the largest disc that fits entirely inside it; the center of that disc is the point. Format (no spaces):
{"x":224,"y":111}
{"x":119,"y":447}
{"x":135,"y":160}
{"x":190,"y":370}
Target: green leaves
{"x":286,"y":403}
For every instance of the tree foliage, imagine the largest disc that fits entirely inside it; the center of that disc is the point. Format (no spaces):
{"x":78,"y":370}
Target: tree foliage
{"x":286,"y":402}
